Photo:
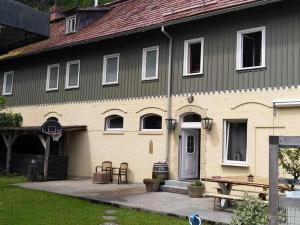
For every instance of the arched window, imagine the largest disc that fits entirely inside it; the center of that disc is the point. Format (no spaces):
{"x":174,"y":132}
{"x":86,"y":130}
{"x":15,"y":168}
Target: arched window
{"x":151,"y":122}
{"x":191,"y":121}
{"x":114,"y":122}
{"x":191,"y":118}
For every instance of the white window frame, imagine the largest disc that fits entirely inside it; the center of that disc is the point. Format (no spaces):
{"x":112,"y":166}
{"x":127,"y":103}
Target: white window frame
{"x":48,"y":77}
{"x":151,"y":130}
{"x":225,"y":144}
{"x":186,"y":56}
{"x":4,"y":83}
{"x":68,"y":29}
{"x":239,"y":48}
{"x":68,"y":74}
{"x":144,"y":61}
{"x":107,"y":119}
{"x":105,"y":58}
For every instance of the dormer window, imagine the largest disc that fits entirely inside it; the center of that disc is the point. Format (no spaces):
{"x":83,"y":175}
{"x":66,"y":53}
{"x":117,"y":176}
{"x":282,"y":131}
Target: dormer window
{"x":70,"y":25}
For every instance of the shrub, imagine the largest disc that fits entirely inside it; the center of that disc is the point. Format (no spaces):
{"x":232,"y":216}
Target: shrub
{"x":250,"y":211}
{"x":197,"y":183}
{"x":10,"y":119}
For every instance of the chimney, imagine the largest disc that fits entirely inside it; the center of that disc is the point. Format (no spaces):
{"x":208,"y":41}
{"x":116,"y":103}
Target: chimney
{"x":96,"y":3}
{"x":55,"y":13}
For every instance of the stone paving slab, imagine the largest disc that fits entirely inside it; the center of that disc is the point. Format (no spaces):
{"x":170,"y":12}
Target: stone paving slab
{"x":134,"y":196}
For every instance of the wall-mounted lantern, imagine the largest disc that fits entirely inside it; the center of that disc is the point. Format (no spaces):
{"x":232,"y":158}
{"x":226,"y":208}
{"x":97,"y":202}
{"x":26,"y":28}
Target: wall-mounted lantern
{"x":206,"y":123}
{"x":171,"y":124}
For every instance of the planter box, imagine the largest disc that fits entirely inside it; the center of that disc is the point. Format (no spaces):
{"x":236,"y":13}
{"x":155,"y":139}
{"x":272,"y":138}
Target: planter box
{"x":196,"y":191}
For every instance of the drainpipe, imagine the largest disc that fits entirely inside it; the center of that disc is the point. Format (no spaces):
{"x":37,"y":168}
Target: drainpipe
{"x":169,"y":99}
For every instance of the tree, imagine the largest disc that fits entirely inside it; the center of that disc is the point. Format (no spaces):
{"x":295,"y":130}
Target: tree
{"x":289,"y":160}
{"x":44,"y":5}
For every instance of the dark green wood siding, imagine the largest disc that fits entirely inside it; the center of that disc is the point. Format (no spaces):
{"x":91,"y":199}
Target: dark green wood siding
{"x":282,"y":21}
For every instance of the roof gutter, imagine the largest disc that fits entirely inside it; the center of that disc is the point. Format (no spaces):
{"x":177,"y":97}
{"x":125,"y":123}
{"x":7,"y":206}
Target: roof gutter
{"x":169,"y":99}
{"x":156,"y":26}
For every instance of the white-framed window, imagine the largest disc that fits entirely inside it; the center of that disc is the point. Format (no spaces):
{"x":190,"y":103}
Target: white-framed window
{"x":151,"y":122}
{"x":193,"y":57}
{"x":114,"y":122}
{"x":52,"y":77}
{"x":235,"y":142}
{"x":70,"y":25}
{"x":72,"y":74}
{"x":251,"y":48}
{"x":8,"y":80}
{"x":150,"y":63}
{"x":111,"y":69}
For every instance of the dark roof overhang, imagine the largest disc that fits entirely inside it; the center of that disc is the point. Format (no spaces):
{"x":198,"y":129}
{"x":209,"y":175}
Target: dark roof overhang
{"x":34,"y":130}
{"x":21,"y":25}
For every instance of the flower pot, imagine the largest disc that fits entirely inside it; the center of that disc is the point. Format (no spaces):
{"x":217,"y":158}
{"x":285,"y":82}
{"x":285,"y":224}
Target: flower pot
{"x":196,"y":191}
{"x":152,"y":185}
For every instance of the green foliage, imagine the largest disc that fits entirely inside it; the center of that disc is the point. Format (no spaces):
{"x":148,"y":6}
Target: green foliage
{"x":10,"y":119}
{"x":289,"y":160}
{"x":2,"y":103}
{"x":250,"y":211}
{"x":197,"y":183}
{"x":44,"y":5}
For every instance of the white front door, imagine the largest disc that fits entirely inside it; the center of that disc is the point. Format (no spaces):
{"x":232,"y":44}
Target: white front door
{"x":189,"y":156}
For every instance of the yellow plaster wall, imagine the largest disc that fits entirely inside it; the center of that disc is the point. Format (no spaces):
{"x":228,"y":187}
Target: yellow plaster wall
{"x":88,"y":149}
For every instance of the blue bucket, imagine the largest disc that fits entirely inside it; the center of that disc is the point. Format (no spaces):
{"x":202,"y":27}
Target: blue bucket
{"x":194,"y":219}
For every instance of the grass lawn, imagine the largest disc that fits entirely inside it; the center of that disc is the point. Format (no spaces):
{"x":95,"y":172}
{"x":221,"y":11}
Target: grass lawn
{"x":20,"y":206}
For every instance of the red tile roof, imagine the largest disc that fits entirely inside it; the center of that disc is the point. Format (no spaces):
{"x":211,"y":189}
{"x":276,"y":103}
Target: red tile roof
{"x":129,"y":16}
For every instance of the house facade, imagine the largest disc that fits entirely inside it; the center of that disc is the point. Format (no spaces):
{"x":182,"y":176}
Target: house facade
{"x":236,"y":62}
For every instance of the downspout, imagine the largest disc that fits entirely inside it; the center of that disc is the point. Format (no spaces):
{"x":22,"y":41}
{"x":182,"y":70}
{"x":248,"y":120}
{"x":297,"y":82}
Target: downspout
{"x":169,"y":99}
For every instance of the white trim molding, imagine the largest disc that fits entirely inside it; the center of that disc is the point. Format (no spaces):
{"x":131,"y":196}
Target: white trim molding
{"x":239,"y":48}
{"x":226,"y":143}
{"x":4,"y":91}
{"x":186,"y":56}
{"x":70,"y":26}
{"x":288,"y":103}
{"x":144,"y":62}
{"x":67,"y":86}
{"x":105,"y":58}
{"x":49,"y":67}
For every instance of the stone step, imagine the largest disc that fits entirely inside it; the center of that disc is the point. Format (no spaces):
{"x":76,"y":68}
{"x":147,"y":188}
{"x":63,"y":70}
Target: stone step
{"x":177,"y":183}
{"x":174,"y":189}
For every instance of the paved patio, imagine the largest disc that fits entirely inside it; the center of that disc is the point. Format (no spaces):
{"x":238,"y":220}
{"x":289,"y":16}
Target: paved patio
{"x":134,"y":196}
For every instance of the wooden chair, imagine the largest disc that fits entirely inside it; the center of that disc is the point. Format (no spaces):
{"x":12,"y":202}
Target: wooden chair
{"x":106,"y":167}
{"x":122,"y":171}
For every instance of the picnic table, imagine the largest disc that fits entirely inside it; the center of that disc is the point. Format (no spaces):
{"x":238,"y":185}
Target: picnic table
{"x":226,"y":184}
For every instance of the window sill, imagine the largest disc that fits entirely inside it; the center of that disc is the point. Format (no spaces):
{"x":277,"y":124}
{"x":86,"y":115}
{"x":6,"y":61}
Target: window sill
{"x":69,"y":88}
{"x":149,"y":79}
{"x":244,"y":165}
{"x":192,"y":75}
{"x":144,"y":132}
{"x":6,"y":94}
{"x":51,"y":90}
{"x":113,"y":132}
{"x":110,"y":84}
{"x":251,"y":68}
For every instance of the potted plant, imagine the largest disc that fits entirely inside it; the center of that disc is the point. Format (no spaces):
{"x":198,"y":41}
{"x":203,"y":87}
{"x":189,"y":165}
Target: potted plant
{"x":196,"y":189}
{"x":152,"y":184}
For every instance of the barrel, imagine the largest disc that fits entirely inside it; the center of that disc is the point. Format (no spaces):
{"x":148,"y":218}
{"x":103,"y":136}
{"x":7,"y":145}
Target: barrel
{"x":160,"y":171}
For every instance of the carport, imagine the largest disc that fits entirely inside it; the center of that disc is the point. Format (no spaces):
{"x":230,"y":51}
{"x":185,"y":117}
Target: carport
{"x":11,"y":134}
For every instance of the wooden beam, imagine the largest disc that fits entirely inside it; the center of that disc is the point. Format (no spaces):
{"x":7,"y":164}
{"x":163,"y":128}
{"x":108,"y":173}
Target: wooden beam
{"x":46,"y":161}
{"x":273,"y":180}
{"x":43,"y":140}
{"x":9,"y":140}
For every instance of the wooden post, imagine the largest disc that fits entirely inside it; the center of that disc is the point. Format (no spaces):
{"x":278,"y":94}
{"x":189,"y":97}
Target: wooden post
{"x":46,"y":162}
{"x":273,"y":179}
{"x":46,"y":145}
{"x":9,"y":141}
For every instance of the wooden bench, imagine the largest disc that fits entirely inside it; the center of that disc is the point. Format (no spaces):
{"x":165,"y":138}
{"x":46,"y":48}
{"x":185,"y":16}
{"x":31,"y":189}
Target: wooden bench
{"x":222,"y":196}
